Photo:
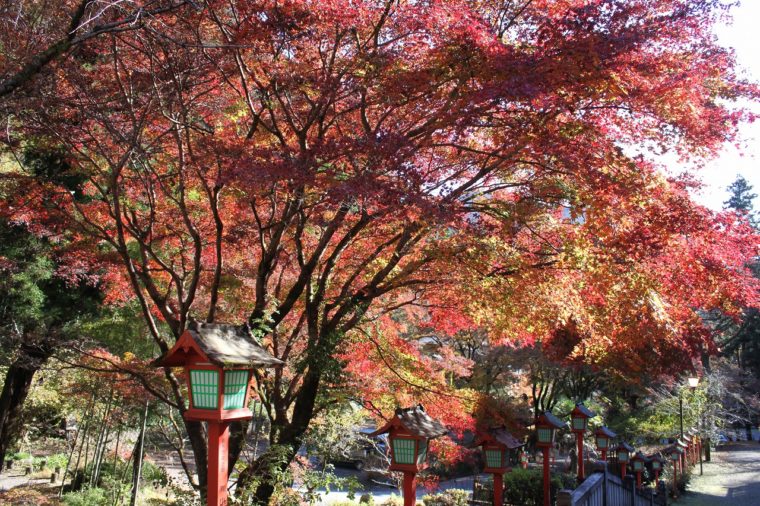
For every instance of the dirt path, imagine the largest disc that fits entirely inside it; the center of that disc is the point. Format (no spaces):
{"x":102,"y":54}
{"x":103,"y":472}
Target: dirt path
{"x":732,"y":478}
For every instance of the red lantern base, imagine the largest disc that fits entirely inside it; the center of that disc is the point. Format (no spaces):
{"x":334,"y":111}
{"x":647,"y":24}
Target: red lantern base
{"x":498,"y":489}
{"x":410,"y":489}
{"x":218,"y":447}
{"x":547,"y":478}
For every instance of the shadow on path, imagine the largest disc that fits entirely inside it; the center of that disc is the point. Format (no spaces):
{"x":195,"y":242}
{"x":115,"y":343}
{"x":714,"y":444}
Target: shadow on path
{"x":732,"y":478}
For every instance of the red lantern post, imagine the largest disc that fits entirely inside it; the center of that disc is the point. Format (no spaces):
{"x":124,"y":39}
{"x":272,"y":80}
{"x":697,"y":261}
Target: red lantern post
{"x":604,"y":437}
{"x":409,"y":432}
{"x":638,"y":462}
{"x":675,"y":456}
{"x":624,"y":451}
{"x":684,"y":446}
{"x":546,"y":424}
{"x":496,"y":444}
{"x":657,"y":465}
{"x":579,"y":423}
{"x":218,"y":361}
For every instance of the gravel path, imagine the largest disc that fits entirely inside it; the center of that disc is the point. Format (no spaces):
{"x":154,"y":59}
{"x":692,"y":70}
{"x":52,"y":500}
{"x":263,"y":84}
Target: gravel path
{"x":732,"y":478}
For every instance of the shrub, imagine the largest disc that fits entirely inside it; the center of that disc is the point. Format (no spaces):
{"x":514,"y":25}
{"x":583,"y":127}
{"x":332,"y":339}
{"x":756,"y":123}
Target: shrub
{"x":452,"y":497}
{"x":57,"y":460}
{"x":526,"y":486}
{"x":22,"y":456}
{"x":88,"y":497}
{"x":367,"y":499}
{"x":393,"y":500}
{"x":152,"y":473}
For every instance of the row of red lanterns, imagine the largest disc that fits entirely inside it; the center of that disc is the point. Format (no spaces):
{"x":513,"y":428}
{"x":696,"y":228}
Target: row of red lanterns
{"x":219,"y":361}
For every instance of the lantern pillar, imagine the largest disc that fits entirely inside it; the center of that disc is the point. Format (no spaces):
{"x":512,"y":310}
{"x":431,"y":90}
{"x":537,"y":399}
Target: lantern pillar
{"x":656,"y":476}
{"x":581,"y":466}
{"x":498,"y":489}
{"x":623,"y":465}
{"x":638,"y":479}
{"x":410,"y":488}
{"x":218,"y":449}
{"x":675,"y":478}
{"x":547,"y":478}
{"x":604,"y":455}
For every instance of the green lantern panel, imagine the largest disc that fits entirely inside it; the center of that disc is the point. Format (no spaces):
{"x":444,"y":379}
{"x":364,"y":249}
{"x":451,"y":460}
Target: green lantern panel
{"x":655,"y":465}
{"x":622,"y":456}
{"x":423,"y":452}
{"x":602,"y":443}
{"x":403,"y":450}
{"x":235,"y":383}
{"x":205,"y":388}
{"x":579,"y":423}
{"x":638,"y":465}
{"x":544,"y":435}
{"x":493,"y":458}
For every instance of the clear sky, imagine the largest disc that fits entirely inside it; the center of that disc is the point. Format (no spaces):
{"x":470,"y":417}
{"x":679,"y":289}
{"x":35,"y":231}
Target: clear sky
{"x":743,"y":34}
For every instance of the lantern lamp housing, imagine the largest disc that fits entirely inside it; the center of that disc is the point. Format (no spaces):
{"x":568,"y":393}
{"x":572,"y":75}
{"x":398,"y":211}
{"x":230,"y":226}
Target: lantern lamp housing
{"x":409,"y":432}
{"x":497,"y":443}
{"x":657,"y":462}
{"x":603,"y":438}
{"x":579,"y":418}
{"x":638,"y":461}
{"x":546,"y":424}
{"x":624,"y":451}
{"x":218,"y":360}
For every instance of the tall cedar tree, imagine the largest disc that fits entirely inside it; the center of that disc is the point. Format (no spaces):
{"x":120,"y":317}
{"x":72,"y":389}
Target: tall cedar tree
{"x":311,"y":166}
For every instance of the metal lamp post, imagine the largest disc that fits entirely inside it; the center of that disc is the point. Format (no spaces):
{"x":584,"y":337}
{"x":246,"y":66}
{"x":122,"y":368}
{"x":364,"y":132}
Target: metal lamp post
{"x":579,"y":423}
{"x":604,"y":437}
{"x":497,"y":443}
{"x":409,"y":432}
{"x":219,"y":360}
{"x":546,"y":425}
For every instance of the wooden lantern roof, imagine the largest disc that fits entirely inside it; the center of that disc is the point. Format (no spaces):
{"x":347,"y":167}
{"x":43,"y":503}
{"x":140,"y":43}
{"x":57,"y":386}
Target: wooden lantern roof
{"x":414,"y":421}
{"x":581,"y":410}
{"x":548,"y":419}
{"x":605,"y":432}
{"x":498,"y":435}
{"x":626,"y":447}
{"x":657,"y":457}
{"x":219,"y":344}
{"x":640,"y":456}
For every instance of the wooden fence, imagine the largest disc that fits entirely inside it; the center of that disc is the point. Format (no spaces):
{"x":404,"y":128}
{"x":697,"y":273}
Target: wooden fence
{"x":605,"y":489}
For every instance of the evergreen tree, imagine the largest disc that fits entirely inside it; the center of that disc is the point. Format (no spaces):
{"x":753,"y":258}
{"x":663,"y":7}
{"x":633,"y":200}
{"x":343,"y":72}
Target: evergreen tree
{"x":741,"y":197}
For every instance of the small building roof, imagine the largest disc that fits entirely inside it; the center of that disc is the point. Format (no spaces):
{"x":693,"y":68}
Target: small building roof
{"x":552,"y":420}
{"x":416,"y":421}
{"x":220,"y":344}
{"x":580,"y":409}
{"x":605,"y":431}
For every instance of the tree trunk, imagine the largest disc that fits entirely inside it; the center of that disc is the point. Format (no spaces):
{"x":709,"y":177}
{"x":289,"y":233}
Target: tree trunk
{"x":137,"y":459}
{"x":18,"y":381}
{"x":287,"y":440}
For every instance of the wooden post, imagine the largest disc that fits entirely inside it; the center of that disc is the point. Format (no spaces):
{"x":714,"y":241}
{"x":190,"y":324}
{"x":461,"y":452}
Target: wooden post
{"x":547,"y":478}
{"x":218,"y":448}
{"x":581,"y":467}
{"x":410,"y":489}
{"x":675,"y":478}
{"x":498,"y":489}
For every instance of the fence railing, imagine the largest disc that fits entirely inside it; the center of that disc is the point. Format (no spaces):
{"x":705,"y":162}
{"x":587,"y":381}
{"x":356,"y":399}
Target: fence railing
{"x":605,"y":489}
